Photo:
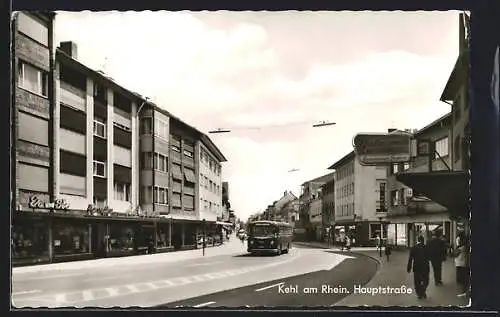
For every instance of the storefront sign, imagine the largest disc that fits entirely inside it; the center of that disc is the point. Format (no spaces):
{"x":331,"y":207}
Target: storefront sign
{"x":95,"y":211}
{"x":58,"y":204}
{"x":375,"y":149}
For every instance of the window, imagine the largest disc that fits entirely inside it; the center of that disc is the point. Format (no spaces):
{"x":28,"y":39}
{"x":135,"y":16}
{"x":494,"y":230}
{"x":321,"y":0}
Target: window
{"x":99,"y":169}
{"x":406,"y":166}
{"x":146,"y":126}
{"x":160,"y":195}
{"x":188,"y":153}
{"x":394,"y":198}
{"x":160,"y":163}
{"x":176,"y":149}
{"x":395,"y":168}
{"x":457,"y":149}
{"x":161,"y":129}
{"x":33,"y":79}
{"x":376,"y":229}
{"x":382,"y":195}
{"x":99,"y":127}
{"x":121,"y":126}
{"x":441,"y":147}
{"x":206,"y":182}
{"x":147,"y":160}
{"x":122,"y":191}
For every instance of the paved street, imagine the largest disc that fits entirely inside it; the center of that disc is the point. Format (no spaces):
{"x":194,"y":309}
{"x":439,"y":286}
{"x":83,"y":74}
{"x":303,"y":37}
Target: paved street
{"x":149,"y":281}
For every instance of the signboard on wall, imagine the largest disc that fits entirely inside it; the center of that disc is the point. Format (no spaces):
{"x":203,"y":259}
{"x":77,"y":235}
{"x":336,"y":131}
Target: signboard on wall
{"x":36,"y":202}
{"x":382,"y":149}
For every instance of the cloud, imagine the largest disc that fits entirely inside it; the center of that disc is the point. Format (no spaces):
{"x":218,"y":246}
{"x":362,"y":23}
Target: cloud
{"x":365,"y":71}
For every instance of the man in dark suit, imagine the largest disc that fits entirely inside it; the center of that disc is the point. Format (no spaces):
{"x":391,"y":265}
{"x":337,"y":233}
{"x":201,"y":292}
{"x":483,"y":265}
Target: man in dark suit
{"x":437,"y":254}
{"x":419,"y":263}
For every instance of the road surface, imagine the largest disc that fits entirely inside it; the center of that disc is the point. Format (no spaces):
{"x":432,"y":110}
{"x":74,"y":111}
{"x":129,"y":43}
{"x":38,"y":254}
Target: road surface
{"x":228,"y":279}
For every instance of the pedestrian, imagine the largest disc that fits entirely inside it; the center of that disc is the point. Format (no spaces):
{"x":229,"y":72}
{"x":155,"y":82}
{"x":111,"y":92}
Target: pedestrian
{"x":347,"y":243}
{"x":379,"y":245}
{"x":388,"y":251}
{"x":437,"y":255}
{"x":462,"y":263}
{"x":418,"y":262}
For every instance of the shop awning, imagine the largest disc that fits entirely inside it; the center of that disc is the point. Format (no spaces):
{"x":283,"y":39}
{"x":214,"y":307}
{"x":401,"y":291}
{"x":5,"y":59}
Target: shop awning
{"x":189,"y":175}
{"x":448,"y":189}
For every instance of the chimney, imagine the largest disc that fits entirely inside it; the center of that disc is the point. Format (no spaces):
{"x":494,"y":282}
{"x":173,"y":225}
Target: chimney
{"x":69,"y":48}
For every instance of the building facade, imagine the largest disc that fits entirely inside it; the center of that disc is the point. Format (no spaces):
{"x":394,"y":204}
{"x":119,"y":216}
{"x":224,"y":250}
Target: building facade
{"x":328,"y":204}
{"x":409,"y":212}
{"x":311,"y":191}
{"x":358,"y":207}
{"x":210,"y":187}
{"x":99,"y":170}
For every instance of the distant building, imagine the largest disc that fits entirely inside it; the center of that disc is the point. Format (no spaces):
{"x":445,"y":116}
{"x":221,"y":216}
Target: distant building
{"x":310,"y":200}
{"x":328,"y":204}
{"x":359,"y":209}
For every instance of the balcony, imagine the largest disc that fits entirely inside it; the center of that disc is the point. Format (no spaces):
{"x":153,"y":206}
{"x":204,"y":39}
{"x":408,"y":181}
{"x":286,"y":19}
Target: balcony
{"x":73,"y":96}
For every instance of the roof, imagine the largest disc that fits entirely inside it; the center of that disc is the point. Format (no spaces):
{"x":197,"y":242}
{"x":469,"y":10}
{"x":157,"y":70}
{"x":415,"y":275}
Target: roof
{"x":321,"y":179}
{"x":457,"y":77}
{"x":62,"y":57}
{"x":435,"y":124}
{"x":342,"y":161}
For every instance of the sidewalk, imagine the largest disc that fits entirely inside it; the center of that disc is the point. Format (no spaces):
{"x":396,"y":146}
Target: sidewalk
{"x":232,"y":246}
{"x":393,"y":274}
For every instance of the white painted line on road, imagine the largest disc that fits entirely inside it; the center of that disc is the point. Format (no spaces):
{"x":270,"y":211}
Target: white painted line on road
{"x":26,"y":292}
{"x":270,"y":286}
{"x":108,"y":277}
{"x":112,"y":291}
{"x":87,"y":295}
{"x":203,"y":305}
{"x":151,"y":285}
{"x":168,"y":282}
{"x":210,"y":276}
{"x":204,"y":264}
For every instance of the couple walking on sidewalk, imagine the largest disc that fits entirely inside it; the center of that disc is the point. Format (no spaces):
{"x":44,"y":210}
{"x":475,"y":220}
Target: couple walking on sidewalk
{"x":433,"y":253}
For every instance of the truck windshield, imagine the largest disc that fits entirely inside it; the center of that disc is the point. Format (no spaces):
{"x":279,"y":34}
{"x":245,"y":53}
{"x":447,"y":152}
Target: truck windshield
{"x":260,"y":230}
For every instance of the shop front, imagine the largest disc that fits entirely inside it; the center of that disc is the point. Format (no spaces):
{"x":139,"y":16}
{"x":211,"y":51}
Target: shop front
{"x":30,"y":240}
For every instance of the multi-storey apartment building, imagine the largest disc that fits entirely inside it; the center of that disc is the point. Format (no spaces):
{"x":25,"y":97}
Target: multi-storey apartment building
{"x":100,"y":171}
{"x":358,"y":207}
{"x":210,"y":186}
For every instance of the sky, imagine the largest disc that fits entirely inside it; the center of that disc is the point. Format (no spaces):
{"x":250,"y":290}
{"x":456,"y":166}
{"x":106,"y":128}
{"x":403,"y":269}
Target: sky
{"x":268,"y":76}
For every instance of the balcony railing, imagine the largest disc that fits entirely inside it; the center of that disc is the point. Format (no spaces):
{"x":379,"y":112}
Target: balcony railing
{"x":73,"y":96}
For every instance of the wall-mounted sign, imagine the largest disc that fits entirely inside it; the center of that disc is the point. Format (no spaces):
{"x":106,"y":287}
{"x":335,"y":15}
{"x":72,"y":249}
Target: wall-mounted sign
{"x":58,"y":204}
{"x":95,"y":211}
{"x":375,"y":149}
{"x":424,"y":147}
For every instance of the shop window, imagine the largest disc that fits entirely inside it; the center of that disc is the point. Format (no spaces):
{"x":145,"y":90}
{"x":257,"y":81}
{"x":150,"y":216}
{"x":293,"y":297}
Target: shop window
{"x":29,"y":240}
{"x":70,"y":238}
{"x":162,"y":236}
{"x":146,"y":126}
{"x":377,"y":229}
{"x":121,"y":237}
{"x":32,"y":79}
{"x":122,"y":191}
